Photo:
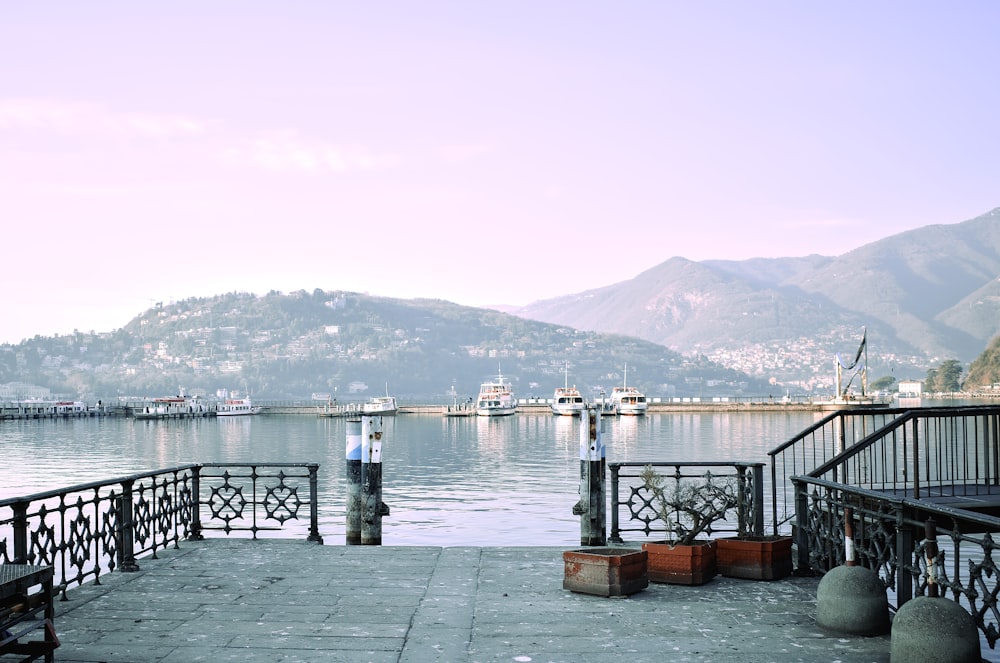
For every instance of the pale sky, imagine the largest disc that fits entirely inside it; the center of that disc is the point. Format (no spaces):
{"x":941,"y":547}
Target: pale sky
{"x":480,"y":152}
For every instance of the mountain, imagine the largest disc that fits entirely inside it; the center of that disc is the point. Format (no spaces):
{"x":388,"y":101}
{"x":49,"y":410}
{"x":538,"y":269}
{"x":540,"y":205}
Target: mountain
{"x":922,"y":296}
{"x":351,"y":346}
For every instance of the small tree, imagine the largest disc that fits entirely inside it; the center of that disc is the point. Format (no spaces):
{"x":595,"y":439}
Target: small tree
{"x":691,"y":508}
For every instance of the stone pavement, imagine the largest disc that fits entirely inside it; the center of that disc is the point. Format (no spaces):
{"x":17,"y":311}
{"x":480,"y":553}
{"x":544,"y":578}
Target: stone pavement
{"x":270,"y":601}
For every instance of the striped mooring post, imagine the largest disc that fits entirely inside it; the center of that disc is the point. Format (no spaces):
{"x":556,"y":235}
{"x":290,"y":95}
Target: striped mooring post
{"x":353,"y":482}
{"x":592,"y":505}
{"x":372,"y":507}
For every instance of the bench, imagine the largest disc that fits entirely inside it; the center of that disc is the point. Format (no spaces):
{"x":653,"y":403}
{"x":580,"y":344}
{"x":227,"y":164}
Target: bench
{"x":26,"y":608}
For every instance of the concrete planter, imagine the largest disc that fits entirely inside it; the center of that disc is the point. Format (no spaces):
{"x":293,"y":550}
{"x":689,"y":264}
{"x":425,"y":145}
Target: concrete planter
{"x":754,"y":558}
{"x":605,"y":571}
{"x":692,"y":564}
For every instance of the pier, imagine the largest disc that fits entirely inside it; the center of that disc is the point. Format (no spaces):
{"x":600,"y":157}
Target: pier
{"x":269,"y":600}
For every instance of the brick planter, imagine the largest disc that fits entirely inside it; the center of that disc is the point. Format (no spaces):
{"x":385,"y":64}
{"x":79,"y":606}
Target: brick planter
{"x":755,"y":558}
{"x":605,"y":571}
{"x":692,"y":564}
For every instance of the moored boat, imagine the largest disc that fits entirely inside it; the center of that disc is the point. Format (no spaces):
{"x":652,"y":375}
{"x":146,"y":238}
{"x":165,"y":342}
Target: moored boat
{"x":628,"y":400}
{"x":236,"y":407}
{"x":567,"y":400}
{"x":496,"y":398}
{"x":380,"y":406}
{"x":177,"y":407}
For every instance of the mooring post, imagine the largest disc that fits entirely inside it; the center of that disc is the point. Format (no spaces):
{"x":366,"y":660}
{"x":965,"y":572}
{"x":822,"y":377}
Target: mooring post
{"x":353,"y":482}
{"x":930,"y":556}
{"x":849,"y":558}
{"x":592,"y":508}
{"x":371,"y":482}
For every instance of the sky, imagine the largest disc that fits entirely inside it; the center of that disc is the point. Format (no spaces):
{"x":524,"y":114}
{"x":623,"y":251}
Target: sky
{"x":494,"y":152}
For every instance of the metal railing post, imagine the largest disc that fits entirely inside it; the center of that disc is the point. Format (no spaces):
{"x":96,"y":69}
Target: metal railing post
{"x":314,"y":504}
{"x":196,"y":534}
{"x":801,"y":533}
{"x":758,"y":500}
{"x":616,"y":536}
{"x":126,"y":530}
{"x":20,"y":524}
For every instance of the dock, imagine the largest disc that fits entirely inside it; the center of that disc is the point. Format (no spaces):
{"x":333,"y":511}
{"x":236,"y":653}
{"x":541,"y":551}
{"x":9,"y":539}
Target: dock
{"x":282,"y":600}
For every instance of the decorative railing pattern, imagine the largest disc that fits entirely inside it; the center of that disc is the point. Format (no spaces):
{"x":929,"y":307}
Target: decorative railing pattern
{"x":89,"y":530}
{"x":888,"y":536}
{"x":631,"y":499}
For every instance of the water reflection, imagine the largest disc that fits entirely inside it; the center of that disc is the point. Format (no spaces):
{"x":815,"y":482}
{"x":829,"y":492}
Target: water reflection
{"x":448,"y":480}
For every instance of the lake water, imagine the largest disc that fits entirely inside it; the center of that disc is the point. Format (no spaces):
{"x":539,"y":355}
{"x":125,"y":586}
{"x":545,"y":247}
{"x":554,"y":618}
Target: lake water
{"x":448,"y":481}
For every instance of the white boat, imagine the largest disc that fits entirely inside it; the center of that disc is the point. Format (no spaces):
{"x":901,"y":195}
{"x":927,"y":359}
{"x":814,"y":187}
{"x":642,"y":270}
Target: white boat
{"x":176,"y":407}
{"x":380,"y":406}
{"x":567,"y":400}
{"x":236,"y":407}
{"x":628,"y":400}
{"x":496,"y":398}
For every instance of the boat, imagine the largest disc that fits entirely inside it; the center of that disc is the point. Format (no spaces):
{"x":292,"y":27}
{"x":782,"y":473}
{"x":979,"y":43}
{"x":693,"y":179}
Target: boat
{"x":567,"y":400}
{"x":236,"y":407}
{"x":496,"y":398}
{"x":176,"y":407}
{"x":380,"y":405}
{"x":628,"y":400}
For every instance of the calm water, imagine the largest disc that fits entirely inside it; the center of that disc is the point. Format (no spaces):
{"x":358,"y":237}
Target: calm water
{"x":448,"y":481}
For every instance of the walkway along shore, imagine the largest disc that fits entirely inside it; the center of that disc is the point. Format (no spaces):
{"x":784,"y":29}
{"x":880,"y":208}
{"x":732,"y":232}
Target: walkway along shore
{"x":280,"y":600}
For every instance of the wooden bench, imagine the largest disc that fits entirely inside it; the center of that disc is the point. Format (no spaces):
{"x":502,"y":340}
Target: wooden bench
{"x":25,"y":608}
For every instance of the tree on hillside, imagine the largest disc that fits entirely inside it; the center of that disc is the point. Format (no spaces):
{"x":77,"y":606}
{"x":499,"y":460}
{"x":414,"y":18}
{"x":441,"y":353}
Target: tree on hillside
{"x":985,"y":369}
{"x":945,"y":377}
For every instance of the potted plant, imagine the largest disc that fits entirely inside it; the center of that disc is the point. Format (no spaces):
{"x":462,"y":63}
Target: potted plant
{"x":751,"y":554}
{"x":688,"y":509}
{"x":605,"y":571}
{"x":754,"y":557}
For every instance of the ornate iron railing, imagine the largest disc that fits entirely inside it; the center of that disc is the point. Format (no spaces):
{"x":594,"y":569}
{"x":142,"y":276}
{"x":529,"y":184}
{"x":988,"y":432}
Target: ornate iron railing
{"x":887,"y":535}
{"x":88,"y":530}
{"x":630,"y":497}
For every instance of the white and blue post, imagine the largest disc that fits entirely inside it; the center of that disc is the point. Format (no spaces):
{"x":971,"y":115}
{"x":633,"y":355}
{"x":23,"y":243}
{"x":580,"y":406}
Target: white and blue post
{"x":353,"y":482}
{"x":593,"y":495}
{"x":372,"y":507}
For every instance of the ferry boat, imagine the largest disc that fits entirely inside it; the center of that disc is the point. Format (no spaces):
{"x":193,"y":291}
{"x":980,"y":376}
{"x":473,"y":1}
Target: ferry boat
{"x":380,"y":406}
{"x":628,"y":400}
{"x":496,"y":398}
{"x":567,"y":400}
{"x":236,"y":407}
{"x":176,"y":407}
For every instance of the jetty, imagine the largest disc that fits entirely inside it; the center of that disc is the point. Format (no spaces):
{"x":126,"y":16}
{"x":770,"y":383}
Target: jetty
{"x":269,"y":600}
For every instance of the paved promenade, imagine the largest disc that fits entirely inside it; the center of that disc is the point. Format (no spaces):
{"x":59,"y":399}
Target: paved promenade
{"x":281,"y":601}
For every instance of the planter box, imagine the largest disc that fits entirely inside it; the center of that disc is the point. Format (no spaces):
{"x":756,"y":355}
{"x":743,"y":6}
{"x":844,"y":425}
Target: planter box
{"x":755,"y":558}
{"x":605,"y":571}
{"x":681,"y":565}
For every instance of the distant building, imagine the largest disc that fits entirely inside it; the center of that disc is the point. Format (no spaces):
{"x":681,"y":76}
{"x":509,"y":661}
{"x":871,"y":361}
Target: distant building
{"x":910,"y":388}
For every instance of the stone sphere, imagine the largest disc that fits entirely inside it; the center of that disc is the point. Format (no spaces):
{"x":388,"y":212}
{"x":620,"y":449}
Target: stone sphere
{"x":852,"y":599}
{"x":934,"y":630}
